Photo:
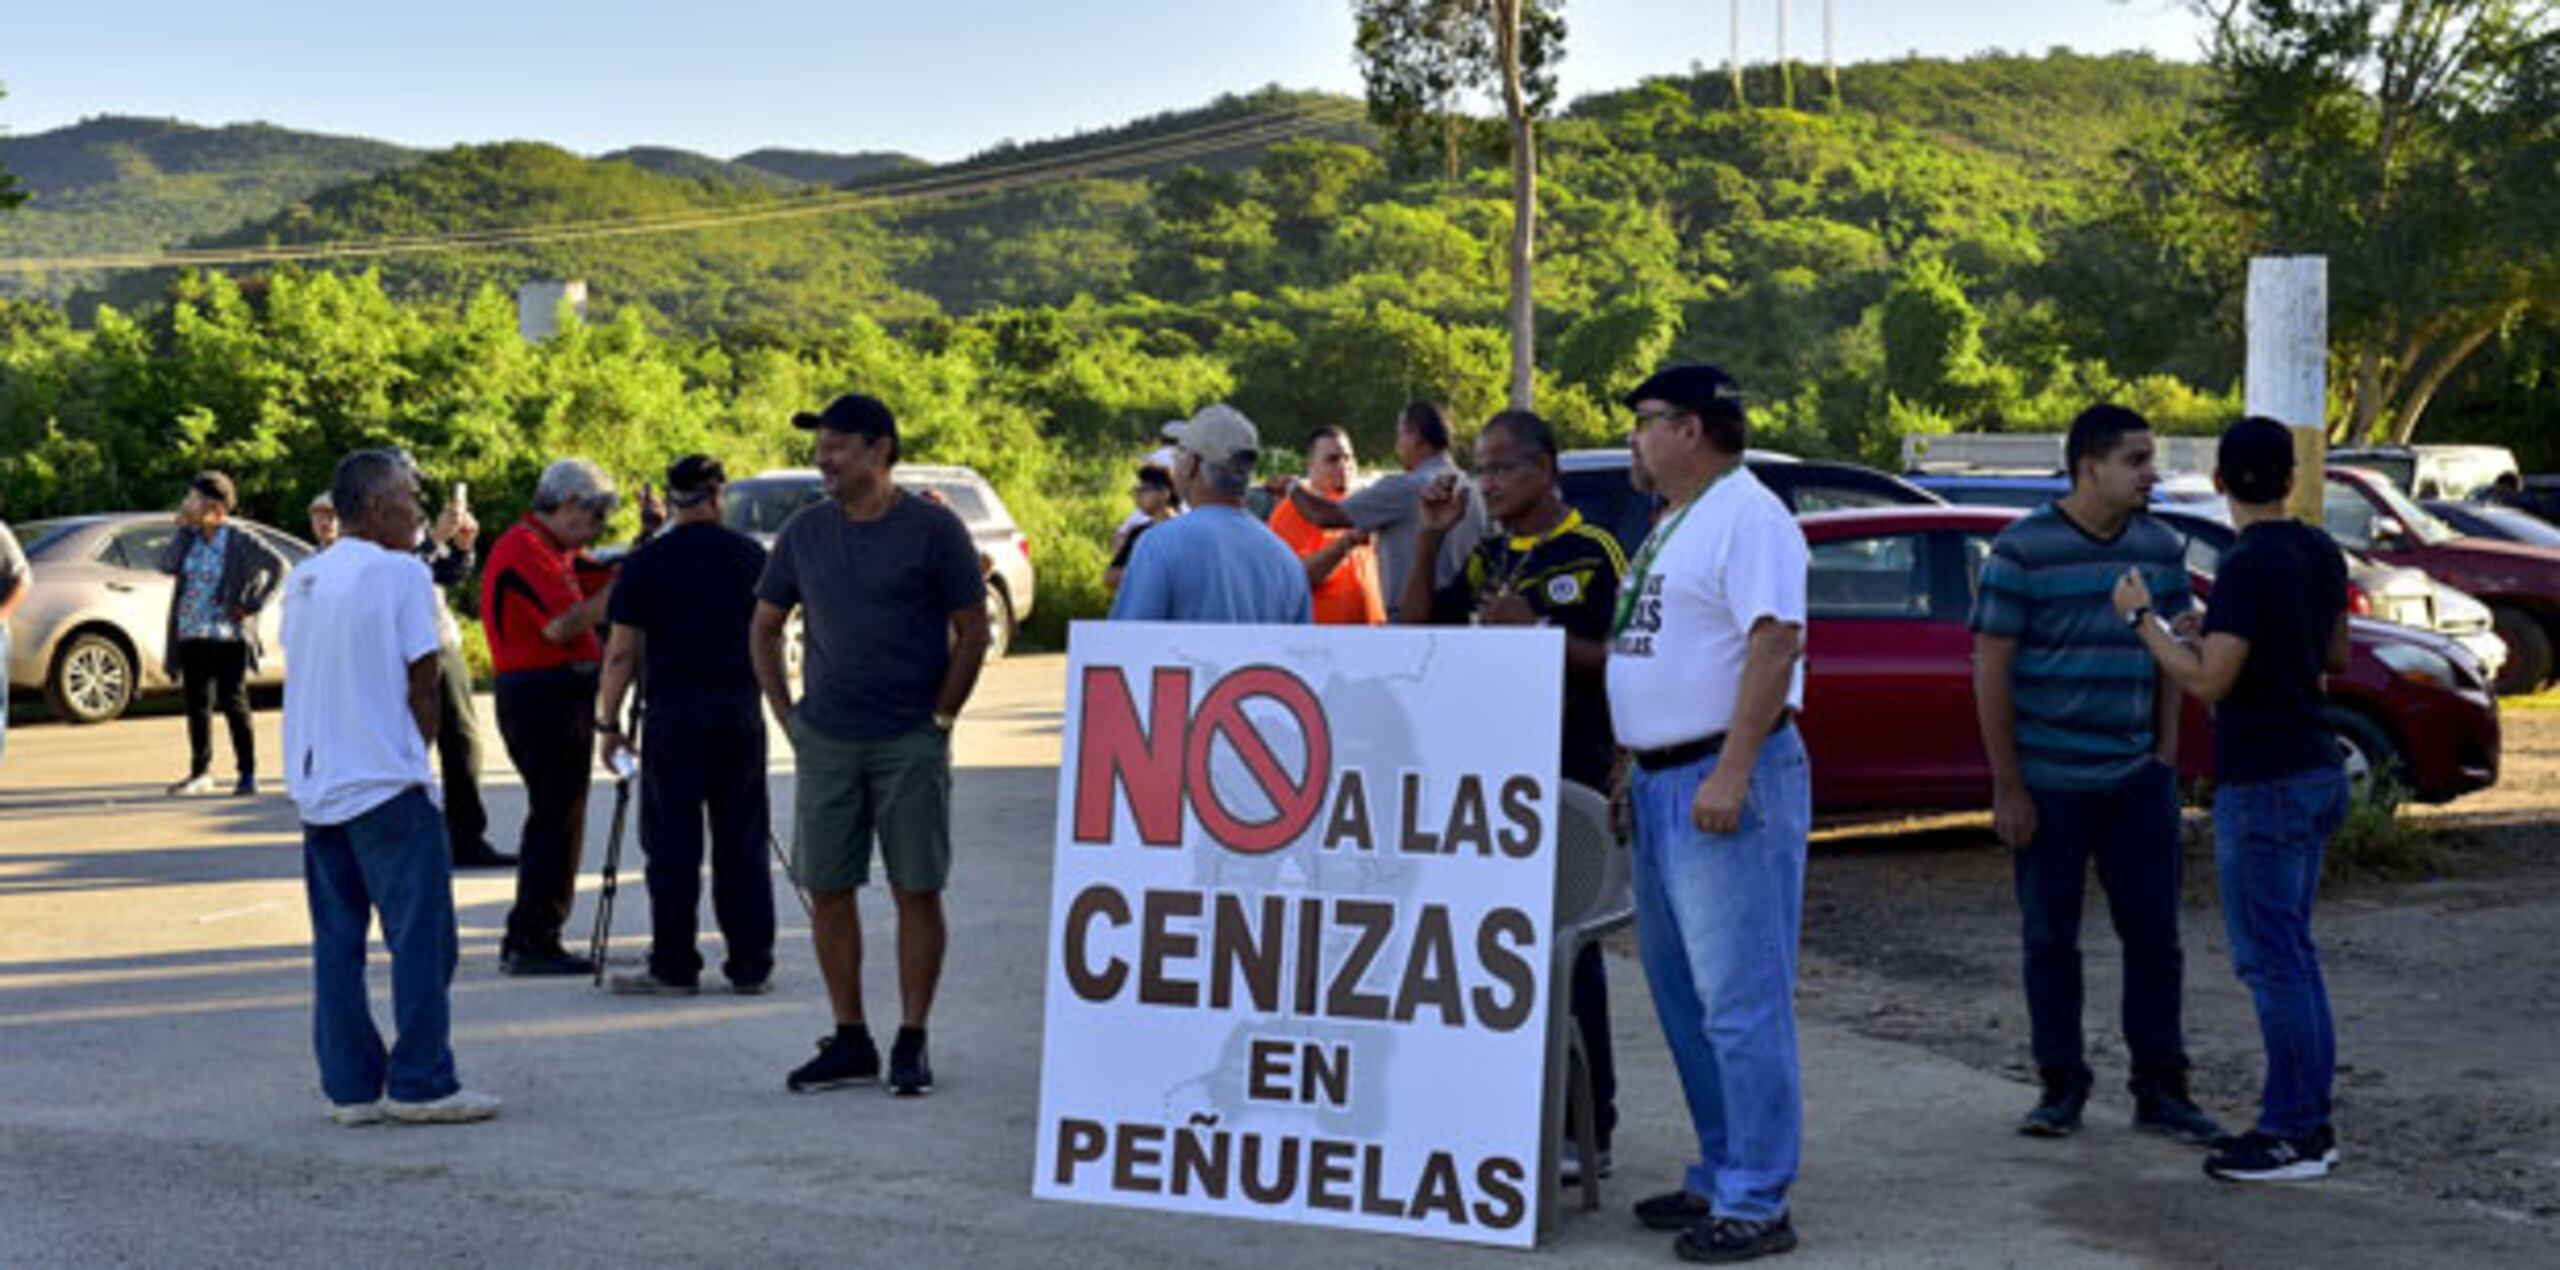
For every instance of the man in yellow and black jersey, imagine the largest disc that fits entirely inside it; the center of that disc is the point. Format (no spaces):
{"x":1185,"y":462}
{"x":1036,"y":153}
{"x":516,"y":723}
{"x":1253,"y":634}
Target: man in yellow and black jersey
{"x":1541,"y":566}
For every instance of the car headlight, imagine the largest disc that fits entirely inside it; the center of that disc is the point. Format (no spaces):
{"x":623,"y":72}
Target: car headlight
{"x":2417,"y":665}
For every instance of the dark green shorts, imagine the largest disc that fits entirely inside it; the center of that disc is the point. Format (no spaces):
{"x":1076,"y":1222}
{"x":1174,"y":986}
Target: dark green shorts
{"x":850,"y":792}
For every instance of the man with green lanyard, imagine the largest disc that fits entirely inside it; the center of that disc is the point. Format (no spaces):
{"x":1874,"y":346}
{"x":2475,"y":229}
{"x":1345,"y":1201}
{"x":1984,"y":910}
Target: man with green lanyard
{"x":1705,"y":676}
{"x":1546,"y":567}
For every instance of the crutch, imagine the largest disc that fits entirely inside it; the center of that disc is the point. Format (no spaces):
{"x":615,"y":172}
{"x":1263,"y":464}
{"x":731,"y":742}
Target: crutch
{"x":623,"y":771}
{"x":796,"y":888}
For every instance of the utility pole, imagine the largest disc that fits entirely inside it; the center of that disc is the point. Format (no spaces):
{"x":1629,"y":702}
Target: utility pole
{"x":1830,"y":49}
{"x":1786,"y":72}
{"x":1734,"y":63}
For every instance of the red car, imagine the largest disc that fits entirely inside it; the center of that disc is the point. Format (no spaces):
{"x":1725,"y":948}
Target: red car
{"x":2519,"y":583}
{"x":1889,"y":717}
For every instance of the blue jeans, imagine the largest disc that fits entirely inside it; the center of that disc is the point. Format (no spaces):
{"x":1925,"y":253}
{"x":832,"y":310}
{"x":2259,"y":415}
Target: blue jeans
{"x":2131,"y":831}
{"x":2268,"y":838}
{"x":4,"y":690}
{"x":392,"y":859}
{"x":1717,"y":919}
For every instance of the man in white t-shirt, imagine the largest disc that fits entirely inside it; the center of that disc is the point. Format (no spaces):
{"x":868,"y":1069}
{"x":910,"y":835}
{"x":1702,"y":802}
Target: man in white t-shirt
{"x":1705,"y":676}
{"x":360,"y":711}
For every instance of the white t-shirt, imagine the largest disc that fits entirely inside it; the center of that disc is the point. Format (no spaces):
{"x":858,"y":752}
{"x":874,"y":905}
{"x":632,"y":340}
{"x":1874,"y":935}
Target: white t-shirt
{"x":355,"y":618}
{"x":1735,"y":558}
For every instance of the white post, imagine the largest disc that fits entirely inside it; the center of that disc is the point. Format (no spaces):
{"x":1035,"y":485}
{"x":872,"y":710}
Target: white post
{"x":2288,"y":370}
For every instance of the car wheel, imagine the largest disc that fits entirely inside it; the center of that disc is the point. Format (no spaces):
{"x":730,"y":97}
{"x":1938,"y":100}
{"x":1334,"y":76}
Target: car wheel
{"x":999,"y":622}
{"x":92,"y":680}
{"x":2372,"y":760}
{"x":2528,"y":650}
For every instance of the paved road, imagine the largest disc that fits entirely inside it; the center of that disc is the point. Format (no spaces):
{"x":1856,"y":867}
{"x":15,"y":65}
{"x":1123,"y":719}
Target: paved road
{"x":158,"y":1103}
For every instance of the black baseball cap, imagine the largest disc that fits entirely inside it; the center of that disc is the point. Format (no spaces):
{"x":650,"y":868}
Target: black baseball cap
{"x":854,"y":412}
{"x":693,"y":478}
{"x":1693,"y":387}
{"x":216,"y":487}
{"x":2255,"y":458}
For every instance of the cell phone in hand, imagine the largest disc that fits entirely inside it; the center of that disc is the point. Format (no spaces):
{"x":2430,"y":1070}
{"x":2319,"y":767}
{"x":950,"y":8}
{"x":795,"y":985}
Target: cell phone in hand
{"x":461,"y":495}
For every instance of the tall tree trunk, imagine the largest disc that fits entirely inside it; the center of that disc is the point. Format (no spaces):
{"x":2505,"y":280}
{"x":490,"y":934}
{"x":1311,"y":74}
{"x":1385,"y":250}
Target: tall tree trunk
{"x":2368,"y":403}
{"x":1786,"y":72}
{"x":1741,"y":98}
{"x":1524,"y":207}
{"x":2404,"y":422}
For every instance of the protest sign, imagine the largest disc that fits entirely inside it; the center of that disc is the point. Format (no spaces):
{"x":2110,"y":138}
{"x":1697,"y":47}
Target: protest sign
{"x":1299,"y":947}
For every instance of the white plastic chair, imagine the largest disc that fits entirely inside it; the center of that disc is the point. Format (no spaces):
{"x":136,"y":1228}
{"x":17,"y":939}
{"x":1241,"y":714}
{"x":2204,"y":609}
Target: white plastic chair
{"x":1595,"y":894}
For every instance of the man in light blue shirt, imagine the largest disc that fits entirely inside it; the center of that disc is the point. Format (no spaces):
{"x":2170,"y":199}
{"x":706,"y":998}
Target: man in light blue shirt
{"x":1215,"y":563}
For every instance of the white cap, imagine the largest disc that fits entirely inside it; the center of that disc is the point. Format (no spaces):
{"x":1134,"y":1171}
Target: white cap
{"x":1218,"y":434}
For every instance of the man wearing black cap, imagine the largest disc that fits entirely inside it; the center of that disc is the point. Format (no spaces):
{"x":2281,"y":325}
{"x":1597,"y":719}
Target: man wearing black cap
{"x":1705,"y":677}
{"x":895,"y":623}
{"x":2277,"y":621}
{"x":680,"y":615}
{"x":224,"y":579}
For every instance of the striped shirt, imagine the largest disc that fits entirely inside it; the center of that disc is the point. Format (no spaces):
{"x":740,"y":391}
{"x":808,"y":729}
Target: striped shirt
{"x":2084,"y":686}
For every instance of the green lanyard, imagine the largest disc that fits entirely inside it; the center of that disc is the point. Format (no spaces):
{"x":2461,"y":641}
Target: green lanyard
{"x":1653,"y":544}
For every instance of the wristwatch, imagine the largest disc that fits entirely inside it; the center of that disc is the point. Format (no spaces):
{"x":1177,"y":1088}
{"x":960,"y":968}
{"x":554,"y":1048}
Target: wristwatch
{"x":2133,"y":620}
{"x":607,"y":727}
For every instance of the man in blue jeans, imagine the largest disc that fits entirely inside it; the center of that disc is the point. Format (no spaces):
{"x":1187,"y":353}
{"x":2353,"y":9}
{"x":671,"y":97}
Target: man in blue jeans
{"x":359,"y":717}
{"x":2279,"y":619}
{"x":1705,"y":674}
{"x":2082,"y":740}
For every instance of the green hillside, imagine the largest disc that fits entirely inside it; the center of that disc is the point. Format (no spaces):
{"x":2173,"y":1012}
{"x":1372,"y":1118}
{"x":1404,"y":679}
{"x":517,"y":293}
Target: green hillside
{"x":820,"y":167}
{"x":692,"y":166}
{"x":125,"y":184}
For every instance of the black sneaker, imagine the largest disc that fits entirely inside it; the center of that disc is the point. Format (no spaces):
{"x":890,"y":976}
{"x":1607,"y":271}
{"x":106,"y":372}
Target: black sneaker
{"x":2172,"y":1116}
{"x":1727,"y":1239}
{"x":480,"y":855}
{"x":555,"y":964}
{"x":2264,"y":1157}
{"x":910,"y":1076}
{"x":1676,"y":1210}
{"x":2057,"y":1114}
{"x":842,"y":1060}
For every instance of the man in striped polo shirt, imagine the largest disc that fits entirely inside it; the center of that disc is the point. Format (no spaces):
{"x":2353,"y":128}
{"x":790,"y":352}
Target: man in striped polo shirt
{"x":2082,"y":736}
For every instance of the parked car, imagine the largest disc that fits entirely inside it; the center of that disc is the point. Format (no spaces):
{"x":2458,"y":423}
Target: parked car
{"x":2495,"y":520}
{"x":2520,"y":584}
{"x":2541,"y":496}
{"x":2035,"y":489}
{"x":92,"y":633}
{"x":2389,"y":593}
{"x":759,"y":505}
{"x":2432,"y":471}
{"x":1596,"y":484}
{"x":1889,"y":713}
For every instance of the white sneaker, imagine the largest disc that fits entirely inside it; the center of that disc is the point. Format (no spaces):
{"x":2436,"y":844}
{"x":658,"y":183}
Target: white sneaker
{"x":350,"y":1115}
{"x":198,"y":784}
{"x":462,"y":1106}
{"x":1569,"y":1164}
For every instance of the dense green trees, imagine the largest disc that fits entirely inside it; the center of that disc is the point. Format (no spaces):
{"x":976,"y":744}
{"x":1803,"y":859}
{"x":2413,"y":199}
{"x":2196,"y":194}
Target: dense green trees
{"x":1988,"y":244}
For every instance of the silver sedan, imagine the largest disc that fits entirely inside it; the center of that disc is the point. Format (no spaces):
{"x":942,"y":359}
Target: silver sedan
{"x":92,"y":631}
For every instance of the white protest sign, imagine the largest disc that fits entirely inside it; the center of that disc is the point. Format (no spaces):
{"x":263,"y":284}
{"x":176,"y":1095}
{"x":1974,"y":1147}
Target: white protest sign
{"x":1299,"y":945}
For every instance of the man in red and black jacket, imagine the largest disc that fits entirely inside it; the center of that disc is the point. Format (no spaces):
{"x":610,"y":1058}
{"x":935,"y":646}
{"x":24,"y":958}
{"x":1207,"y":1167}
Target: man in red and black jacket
{"x":541,"y":600}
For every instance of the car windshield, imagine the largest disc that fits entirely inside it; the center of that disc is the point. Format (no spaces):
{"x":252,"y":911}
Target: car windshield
{"x":41,"y":539}
{"x":761,"y":507}
{"x":2422,"y":524}
{"x":2399,"y":469}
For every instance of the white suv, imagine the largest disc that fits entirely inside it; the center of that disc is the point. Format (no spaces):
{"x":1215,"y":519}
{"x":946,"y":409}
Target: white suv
{"x":758,"y":506}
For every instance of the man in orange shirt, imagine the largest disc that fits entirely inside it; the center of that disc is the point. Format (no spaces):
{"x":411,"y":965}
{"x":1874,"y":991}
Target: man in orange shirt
{"x":1341,"y":569}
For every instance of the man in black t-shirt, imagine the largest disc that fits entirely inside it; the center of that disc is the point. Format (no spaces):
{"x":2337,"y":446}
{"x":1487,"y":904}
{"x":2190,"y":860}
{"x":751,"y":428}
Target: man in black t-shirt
{"x":1543,"y":566}
{"x":680,"y":615}
{"x":2277,"y":621}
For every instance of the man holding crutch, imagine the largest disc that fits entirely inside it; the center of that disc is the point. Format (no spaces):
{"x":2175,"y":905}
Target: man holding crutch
{"x":680,"y":617}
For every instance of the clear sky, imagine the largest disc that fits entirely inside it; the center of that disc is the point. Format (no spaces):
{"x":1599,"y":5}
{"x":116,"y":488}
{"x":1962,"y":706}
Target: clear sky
{"x":936,"y":78}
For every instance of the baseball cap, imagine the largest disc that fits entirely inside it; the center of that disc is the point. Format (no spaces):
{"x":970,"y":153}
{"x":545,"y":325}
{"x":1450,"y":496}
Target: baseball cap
{"x":215,"y":486}
{"x":1693,"y":387}
{"x":854,"y":412}
{"x":1218,"y":434}
{"x":693,"y":478}
{"x":2255,"y":457}
{"x":324,"y":501}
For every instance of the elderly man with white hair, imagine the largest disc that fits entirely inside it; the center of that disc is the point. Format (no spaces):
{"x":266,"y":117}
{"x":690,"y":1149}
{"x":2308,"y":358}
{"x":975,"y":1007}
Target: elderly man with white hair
{"x":1217,"y":563}
{"x":541,"y":600}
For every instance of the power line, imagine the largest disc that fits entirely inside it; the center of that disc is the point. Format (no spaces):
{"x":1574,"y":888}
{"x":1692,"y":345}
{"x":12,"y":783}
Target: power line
{"x":936,"y":186}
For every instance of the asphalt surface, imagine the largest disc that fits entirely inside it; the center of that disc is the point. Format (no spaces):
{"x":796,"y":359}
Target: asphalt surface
{"x":159,"y":1105}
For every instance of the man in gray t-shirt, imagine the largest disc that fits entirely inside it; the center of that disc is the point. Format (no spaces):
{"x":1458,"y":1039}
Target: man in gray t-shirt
{"x":895,"y":624}
{"x":1389,"y":507}
{"x":15,"y":581}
